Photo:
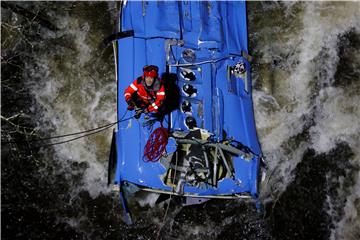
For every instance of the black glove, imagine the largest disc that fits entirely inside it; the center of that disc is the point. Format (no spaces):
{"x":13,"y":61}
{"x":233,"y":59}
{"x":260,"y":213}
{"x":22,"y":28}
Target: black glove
{"x":131,"y":105}
{"x":138,"y":113}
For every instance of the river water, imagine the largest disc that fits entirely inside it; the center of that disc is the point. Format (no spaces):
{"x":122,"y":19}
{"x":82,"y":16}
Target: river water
{"x":56,"y":79}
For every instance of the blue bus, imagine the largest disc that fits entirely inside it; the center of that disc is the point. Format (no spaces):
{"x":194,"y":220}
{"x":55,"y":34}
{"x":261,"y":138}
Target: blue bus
{"x":211,"y":149}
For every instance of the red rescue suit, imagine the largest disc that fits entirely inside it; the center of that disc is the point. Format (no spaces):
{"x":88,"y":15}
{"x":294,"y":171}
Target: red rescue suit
{"x":150,"y":98}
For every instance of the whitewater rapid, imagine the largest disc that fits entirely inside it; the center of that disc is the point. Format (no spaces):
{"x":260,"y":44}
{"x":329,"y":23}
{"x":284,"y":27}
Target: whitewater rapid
{"x":302,"y":98}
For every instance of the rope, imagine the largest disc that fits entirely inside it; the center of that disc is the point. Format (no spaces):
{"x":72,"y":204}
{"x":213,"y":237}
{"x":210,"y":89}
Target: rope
{"x":102,"y":128}
{"x":156,"y":145}
{"x":73,"y":139}
{"x":71,"y":134}
{"x":61,"y":136}
{"x":168,"y":206}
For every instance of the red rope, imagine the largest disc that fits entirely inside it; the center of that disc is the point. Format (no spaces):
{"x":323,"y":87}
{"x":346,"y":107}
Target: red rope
{"x":156,"y":145}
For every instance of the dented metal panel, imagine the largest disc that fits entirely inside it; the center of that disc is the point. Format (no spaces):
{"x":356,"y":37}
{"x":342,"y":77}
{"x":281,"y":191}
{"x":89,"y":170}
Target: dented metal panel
{"x":200,"y":43}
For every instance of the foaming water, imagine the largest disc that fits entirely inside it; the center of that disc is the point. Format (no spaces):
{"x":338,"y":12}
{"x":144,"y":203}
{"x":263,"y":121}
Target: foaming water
{"x":296,"y":104}
{"x":284,"y":112}
{"x":305,"y":109}
{"x":301,"y":102}
{"x":348,"y":226}
{"x":75,"y":96}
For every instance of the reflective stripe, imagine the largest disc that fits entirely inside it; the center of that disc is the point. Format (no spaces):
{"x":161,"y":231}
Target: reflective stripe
{"x":133,"y":87}
{"x":154,"y":105}
{"x":160,"y":93}
{"x":127,"y":94}
{"x":144,"y":97}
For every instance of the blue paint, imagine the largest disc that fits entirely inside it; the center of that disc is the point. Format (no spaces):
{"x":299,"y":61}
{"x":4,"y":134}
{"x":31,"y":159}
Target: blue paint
{"x":217,"y":33}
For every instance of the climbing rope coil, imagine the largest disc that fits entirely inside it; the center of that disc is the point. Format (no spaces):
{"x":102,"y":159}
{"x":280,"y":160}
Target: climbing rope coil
{"x":156,"y":145}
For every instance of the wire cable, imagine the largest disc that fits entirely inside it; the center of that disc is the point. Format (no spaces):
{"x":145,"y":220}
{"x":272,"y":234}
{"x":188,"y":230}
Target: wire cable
{"x":172,"y":190}
{"x":92,"y":132}
{"x":73,"y":139}
{"x":61,"y":136}
{"x":104,"y":127}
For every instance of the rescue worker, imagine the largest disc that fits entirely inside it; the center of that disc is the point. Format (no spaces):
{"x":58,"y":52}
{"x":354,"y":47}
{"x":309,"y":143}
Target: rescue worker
{"x":147,"y":92}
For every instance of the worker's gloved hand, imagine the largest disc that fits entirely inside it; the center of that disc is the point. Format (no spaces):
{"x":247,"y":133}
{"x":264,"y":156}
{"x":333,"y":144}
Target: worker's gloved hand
{"x":146,"y":111}
{"x":138,"y":113}
{"x":131,"y":105}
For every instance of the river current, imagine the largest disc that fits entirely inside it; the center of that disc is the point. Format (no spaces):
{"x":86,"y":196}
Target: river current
{"x":56,"y":79}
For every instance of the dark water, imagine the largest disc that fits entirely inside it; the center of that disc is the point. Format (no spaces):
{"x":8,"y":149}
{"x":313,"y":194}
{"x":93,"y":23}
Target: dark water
{"x":56,"y":79}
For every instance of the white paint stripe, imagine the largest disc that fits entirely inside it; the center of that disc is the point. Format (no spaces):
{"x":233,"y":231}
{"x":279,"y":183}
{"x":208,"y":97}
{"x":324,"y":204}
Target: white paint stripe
{"x":133,"y":87}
